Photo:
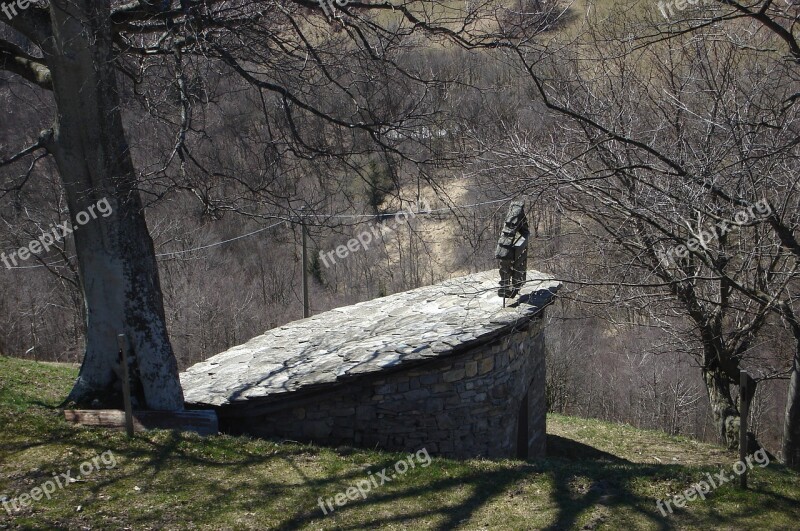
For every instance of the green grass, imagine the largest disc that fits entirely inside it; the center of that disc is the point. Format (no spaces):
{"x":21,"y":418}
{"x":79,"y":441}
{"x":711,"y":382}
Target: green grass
{"x":601,"y":475}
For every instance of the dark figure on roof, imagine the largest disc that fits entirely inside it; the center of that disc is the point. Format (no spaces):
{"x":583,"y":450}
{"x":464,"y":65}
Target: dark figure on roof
{"x":512,"y":251}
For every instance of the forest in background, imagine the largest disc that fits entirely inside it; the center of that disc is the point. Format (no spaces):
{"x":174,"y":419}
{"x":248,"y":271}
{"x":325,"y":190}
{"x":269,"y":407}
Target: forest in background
{"x":619,"y":346}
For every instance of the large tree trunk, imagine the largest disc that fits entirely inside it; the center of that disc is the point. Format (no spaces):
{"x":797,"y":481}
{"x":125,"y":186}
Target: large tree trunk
{"x":116,"y":258}
{"x":723,"y":408}
{"x":791,"y":423}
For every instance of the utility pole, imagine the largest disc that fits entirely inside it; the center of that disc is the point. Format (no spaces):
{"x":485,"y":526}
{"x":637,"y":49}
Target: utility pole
{"x":306,"y":307}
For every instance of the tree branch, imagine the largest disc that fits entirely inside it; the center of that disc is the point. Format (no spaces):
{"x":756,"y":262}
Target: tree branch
{"x":14,"y":59}
{"x":45,"y":137}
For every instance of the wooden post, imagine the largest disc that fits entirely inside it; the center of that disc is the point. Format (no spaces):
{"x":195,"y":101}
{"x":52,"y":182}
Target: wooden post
{"x":126,"y":384}
{"x":746,"y":388}
{"x":203,"y":422}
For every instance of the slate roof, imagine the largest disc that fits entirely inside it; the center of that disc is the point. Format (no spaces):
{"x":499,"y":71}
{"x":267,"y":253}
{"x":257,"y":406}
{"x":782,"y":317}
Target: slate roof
{"x":354,"y":341}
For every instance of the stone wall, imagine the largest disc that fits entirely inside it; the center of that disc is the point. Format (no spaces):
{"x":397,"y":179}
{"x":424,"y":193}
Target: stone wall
{"x":463,"y":405}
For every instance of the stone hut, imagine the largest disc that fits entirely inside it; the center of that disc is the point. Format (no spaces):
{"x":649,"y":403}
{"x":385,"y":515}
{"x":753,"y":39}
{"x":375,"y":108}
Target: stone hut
{"x":444,"y":367}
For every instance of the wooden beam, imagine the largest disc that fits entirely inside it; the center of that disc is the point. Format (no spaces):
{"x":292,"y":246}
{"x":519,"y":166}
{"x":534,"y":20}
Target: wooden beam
{"x":747,"y":388}
{"x":203,"y":422}
{"x":126,"y":384}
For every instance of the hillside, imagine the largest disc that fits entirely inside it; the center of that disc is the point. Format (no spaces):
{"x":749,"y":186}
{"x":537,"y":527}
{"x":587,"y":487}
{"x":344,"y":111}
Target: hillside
{"x":599,"y":476}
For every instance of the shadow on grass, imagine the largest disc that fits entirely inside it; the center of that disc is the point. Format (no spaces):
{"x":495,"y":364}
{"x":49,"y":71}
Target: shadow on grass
{"x":580,"y":483}
{"x":562,"y":447}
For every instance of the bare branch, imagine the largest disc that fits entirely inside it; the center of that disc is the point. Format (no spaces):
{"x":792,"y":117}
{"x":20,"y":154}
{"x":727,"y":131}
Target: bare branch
{"x":45,"y":137}
{"x":14,"y":59}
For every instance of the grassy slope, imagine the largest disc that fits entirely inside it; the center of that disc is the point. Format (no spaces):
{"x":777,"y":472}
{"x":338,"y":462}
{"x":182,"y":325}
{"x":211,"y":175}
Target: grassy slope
{"x":608,"y":478}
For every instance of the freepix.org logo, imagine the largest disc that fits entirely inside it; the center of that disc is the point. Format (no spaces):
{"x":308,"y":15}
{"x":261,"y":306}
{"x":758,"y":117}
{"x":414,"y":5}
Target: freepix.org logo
{"x":56,"y":234}
{"x":703,"y":236}
{"x":10,"y":9}
{"x":702,"y":487}
{"x":364,"y":486}
{"x":666,"y":7}
{"x":59,"y":481}
{"x":327,"y":6}
{"x":365,"y":238}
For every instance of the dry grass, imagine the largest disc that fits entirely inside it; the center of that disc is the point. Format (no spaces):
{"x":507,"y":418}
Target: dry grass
{"x":600,"y":475}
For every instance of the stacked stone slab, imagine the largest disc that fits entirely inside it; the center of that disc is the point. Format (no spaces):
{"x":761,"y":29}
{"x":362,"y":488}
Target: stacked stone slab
{"x":443,"y":367}
{"x":512,"y":250}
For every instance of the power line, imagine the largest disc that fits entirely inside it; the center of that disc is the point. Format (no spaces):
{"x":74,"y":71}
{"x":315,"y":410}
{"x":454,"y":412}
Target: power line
{"x":172,"y":253}
{"x":54,"y":264}
{"x":340,"y":216}
{"x":388,"y":214}
{"x":220,"y":243}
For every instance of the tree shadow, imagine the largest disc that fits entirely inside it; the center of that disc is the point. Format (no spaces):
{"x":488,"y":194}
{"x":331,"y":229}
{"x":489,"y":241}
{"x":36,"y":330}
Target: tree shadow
{"x":609,"y":477}
{"x":584,"y":483}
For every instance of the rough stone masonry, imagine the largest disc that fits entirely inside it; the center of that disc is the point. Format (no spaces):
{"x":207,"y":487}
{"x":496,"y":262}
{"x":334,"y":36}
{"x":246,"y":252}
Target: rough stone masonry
{"x":444,"y":367}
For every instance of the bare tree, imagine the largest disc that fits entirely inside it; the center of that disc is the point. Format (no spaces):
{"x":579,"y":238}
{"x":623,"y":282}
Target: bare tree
{"x":322,"y":89}
{"x":642,"y":159}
